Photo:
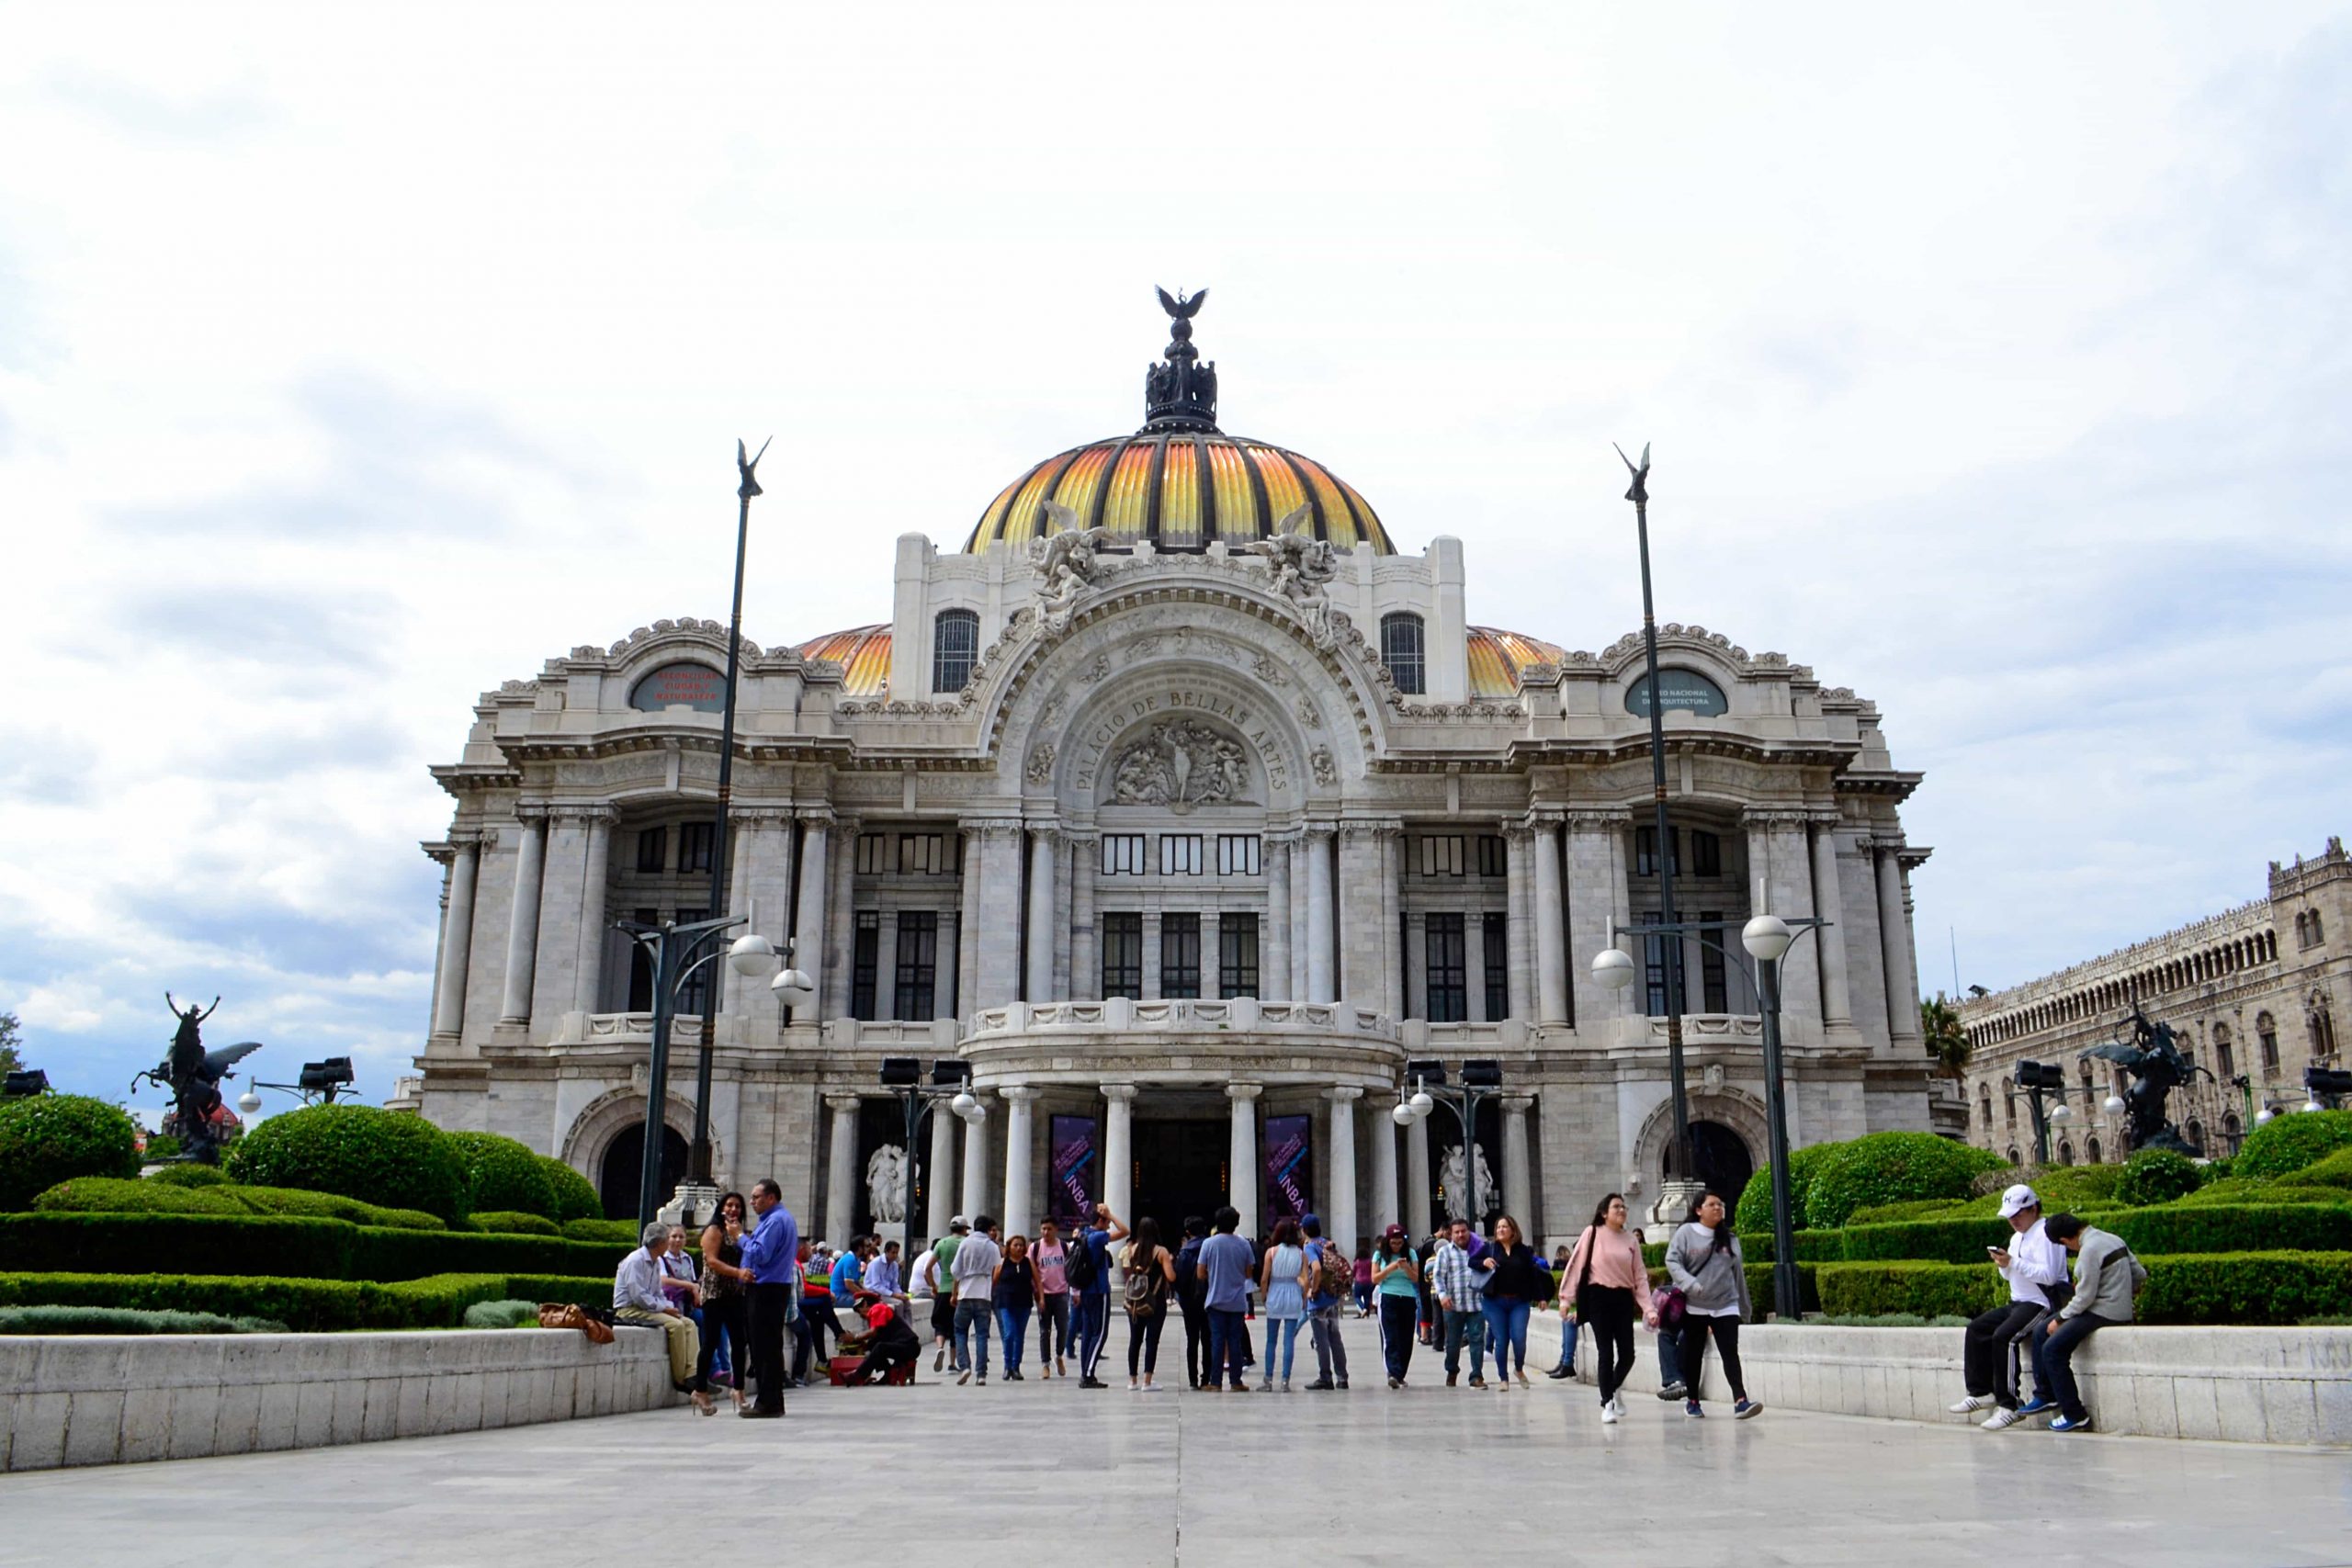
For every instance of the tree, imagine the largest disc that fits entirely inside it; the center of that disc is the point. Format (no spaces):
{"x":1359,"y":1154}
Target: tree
{"x":1947,"y":1037}
{"x":11,"y":1059}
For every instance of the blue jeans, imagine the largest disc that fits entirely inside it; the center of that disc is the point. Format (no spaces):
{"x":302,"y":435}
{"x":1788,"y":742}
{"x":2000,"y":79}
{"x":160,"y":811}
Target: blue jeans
{"x":1225,"y":1346}
{"x":1463,"y":1324}
{"x":972,"y":1325}
{"x":2054,"y":1361}
{"x":1282,"y":1337}
{"x":1507,"y":1321}
{"x":1012,"y":1328}
{"x":1093,"y":1328}
{"x":1567,"y":1340}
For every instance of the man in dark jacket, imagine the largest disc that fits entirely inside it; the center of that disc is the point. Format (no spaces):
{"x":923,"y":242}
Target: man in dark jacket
{"x":1188,"y":1299}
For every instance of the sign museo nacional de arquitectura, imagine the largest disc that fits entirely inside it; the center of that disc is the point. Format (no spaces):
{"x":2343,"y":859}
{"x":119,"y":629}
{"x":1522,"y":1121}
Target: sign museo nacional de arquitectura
{"x":1185,"y":809}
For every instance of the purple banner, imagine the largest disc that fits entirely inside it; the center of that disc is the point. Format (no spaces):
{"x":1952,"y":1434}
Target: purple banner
{"x":1288,"y":1142}
{"x":1076,"y":1179}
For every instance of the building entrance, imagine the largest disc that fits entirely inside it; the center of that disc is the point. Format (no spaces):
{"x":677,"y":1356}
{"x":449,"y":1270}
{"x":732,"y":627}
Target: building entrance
{"x":1179,"y":1171}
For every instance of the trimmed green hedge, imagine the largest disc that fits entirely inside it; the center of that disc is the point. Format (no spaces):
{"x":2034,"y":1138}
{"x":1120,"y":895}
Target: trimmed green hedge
{"x":618,"y":1232}
{"x":126,"y":1320}
{"x":49,"y":1138}
{"x":357,"y":1151}
{"x":2217,"y":1228}
{"x":501,"y":1314}
{"x":2157,"y":1175}
{"x":503,"y":1174}
{"x":2280,"y":1287}
{"x":1890,"y":1167}
{"x":2334,"y":1173}
{"x":1895,"y":1214}
{"x":1930,"y":1289}
{"x":2290,"y":1143}
{"x":575,"y":1197}
{"x":2286,"y":1189}
{"x":186,"y":1174}
{"x":100,"y":1195}
{"x":298,"y":1248}
{"x":508,"y":1223}
{"x":1752,"y":1215}
{"x":304,"y":1305}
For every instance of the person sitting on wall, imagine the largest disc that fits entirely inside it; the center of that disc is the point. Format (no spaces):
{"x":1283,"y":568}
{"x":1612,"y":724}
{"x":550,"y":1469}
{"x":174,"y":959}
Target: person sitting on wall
{"x":2105,"y":1287}
{"x":638,"y":1298}
{"x":2035,"y":1268}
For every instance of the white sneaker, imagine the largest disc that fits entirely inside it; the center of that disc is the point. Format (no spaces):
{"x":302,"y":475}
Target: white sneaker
{"x":1617,"y":1402}
{"x":1972,"y":1404}
{"x":2001,"y":1420}
{"x":1609,"y":1414}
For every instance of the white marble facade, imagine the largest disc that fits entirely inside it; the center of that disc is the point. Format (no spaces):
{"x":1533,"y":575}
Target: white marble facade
{"x":1193,"y":844}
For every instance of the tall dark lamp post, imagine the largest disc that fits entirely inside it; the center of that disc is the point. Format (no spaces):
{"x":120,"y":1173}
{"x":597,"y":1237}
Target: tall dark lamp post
{"x":1482,"y":1078}
{"x":951,"y":1076}
{"x":1640,"y":496}
{"x":2038,"y":1078}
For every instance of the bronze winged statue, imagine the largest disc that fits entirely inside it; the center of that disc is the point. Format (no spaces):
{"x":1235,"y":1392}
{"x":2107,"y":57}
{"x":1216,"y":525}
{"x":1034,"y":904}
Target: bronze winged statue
{"x":2153,"y":1056}
{"x":193,"y":1075}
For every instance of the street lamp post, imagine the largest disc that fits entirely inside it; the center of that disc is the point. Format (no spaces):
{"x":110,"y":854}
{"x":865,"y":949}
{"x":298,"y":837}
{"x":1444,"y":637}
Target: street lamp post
{"x":2037,"y":1079}
{"x":1481,"y":1079}
{"x":902,"y":1075}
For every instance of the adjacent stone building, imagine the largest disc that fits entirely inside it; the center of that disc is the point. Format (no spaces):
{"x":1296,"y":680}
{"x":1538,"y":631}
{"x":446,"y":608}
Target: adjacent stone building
{"x":1185,"y":809}
{"x":2252,"y":995}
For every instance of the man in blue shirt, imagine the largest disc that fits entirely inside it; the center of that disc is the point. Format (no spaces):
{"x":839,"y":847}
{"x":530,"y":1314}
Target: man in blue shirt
{"x":1323,"y":1311}
{"x":1225,"y":1265}
{"x":771,"y":1257}
{"x":1094,"y":1299}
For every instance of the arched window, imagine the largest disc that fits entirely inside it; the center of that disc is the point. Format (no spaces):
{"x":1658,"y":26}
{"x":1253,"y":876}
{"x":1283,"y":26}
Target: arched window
{"x":2095,"y":1153}
{"x":1400,"y":650}
{"x":2226,"y":1055}
{"x":955,"y":644}
{"x":2008,"y":1107}
{"x":2317,"y":935}
{"x":1984,"y":1106}
{"x":2197,"y":1131}
{"x":2232,"y":1132}
{"x":2321,"y":1025}
{"x":2266,"y":1034}
{"x":2013,"y":1154}
{"x":2065,"y":1153}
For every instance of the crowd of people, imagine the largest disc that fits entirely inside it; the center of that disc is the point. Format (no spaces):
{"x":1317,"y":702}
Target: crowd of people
{"x":1456,"y":1294}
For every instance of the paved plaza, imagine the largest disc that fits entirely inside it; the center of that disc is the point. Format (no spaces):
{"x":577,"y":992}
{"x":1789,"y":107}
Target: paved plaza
{"x":980,"y":1476}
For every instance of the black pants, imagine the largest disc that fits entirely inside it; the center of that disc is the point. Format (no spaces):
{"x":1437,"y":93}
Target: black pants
{"x":733,"y":1314}
{"x":1695,"y":1329}
{"x":1399,"y":1325}
{"x":1142,"y":1338}
{"x":767,"y":1306}
{"x":1196,"y":1339}
{"x":1986,"y":1355}
{"x":1607,"y":1313}
{"x":1053,"y":1327}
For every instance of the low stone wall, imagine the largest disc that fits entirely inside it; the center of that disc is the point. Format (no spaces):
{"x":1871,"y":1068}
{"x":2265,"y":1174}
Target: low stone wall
{"x":104,"y":1400}
{"x":2251,"y":1385}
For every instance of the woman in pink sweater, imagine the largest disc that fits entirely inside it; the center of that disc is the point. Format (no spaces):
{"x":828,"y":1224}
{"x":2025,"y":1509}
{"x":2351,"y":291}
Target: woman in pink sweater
{"x":1609,"y":1282}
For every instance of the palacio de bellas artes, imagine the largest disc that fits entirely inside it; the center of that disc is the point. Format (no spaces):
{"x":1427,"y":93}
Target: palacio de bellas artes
{"x":1178,"y":815}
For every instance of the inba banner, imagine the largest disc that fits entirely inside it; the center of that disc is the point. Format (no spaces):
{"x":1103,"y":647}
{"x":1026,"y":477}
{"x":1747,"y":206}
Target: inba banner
{"x":1286,"y":1168}
{"x":1077,"y":1167}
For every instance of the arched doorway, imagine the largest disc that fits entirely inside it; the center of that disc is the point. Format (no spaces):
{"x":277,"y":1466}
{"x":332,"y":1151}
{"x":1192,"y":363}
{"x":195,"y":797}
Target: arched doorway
{"x":1721,"y":1156}
{"x":617,"y":1178}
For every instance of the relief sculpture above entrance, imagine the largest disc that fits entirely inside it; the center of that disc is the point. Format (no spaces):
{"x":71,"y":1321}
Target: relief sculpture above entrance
{"x":1180,"y":764}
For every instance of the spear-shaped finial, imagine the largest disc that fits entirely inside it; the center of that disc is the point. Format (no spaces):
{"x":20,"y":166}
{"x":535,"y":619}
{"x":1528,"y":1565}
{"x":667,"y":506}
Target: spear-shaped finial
{"x":1640,"y":494}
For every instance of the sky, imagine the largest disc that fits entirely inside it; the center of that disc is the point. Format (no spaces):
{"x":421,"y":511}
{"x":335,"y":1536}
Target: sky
{"x":354,"y":359}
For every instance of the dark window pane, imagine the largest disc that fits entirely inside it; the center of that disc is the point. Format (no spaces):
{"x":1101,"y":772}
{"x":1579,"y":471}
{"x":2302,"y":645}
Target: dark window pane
{"x":1236,"y":956}
{"x":1706,"y":854}
{"x":1714,"y":987}
{"x":1180,"y":955}
{"x":955,"y":644}
{"x":1494,"y":855}
{"x":641,"y":965}
{"x":1400,"y":650}
{"x":866,"y":957}
{"x":694,"y":997}
{"x":653,"y":848}
{"x":1123,"y":956}
{"x":1449,"y":994}
{"x":1495,"y":938}
{"x":1654,"y":975}
{"x":918,"y":963}
{"x":694,"y":845}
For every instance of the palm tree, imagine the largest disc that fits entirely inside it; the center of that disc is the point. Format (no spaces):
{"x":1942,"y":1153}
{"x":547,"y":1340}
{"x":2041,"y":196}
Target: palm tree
{"x":1947,"y":1037}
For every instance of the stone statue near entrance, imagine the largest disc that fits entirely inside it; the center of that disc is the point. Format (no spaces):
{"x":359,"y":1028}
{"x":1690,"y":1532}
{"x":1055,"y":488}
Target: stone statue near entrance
{"x":1300,"y":565}
{"x":2154,"y":1058}
{"x":1456,"y":1174}
{"x":1065,"y":564}
{"x":1180,"y":762}
{"x":193,"y":1075}
{"x":886,"y":1185}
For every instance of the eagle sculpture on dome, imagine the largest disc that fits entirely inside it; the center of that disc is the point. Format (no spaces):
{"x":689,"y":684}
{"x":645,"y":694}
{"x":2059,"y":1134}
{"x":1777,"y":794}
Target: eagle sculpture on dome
{"x":1184,"y":307}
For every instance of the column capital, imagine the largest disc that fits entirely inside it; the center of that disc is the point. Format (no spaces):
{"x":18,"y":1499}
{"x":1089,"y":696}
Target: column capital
{"x":1123,"y":1093}
{"x":1242,"y":1091}
{"x":1020,"y":1093}
{"x":1344,"y":1094}
{"x":591,"y":814}
{"x":1588,"y":819}
{"x":754,"y":818}
{"x":532,"y":812}
{"x":1771,"y":818}
{"x":1318,"y":829}
{"x":815,"y":816}
{"x":837,"y":1103}
{"x":1045,"y":833}
{"x":1519,"y":1104}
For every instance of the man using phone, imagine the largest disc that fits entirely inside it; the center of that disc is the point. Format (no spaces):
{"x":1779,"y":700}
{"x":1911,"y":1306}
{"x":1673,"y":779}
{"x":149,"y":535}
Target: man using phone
{"x":2035,"y":1267}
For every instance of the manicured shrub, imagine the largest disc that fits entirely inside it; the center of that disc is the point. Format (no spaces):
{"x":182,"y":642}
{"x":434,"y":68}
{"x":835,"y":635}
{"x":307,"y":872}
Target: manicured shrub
{"x":1760,"y":1291}
{"x":186,"y":1175}
{"x":329,"y":1206}
{"x":2334,"y":1172}
{"x":306,"y":1305}
{"x":2290,"y":1188}
{"x":2219,"y":1287}
{"x":49,"y":1138}
{"x":503,"y":1174}
{"x":561,"y":1288}
{"x":281,"y":1247}
{"x":622,"y":1233}
{"x":1752,"y":1215}
{"x":126,"y":1320}
{"x":116,"y":1195}
{"x":1894,"y":1213}
{"x":2250,"y":1227}
{"x":382,"y":1254}
{"x":575,"y":1197}
{"x":355,"y":1151}
{"x":2157,"y":1175}
{"x":1939,"y":1240}
{"x":1890,"y":1167}
{"x":162,"y":1146}
{"x":2288,"y":1143}
{"x":501,"y":1314}
{"x":1930,"y":1289}
{"x":499,"y":1224}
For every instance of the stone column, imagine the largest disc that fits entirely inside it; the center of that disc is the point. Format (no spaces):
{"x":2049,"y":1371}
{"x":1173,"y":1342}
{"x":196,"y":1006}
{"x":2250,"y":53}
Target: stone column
{"x":1384,"y":1212}
{"x":999,"y":932}
{"x":589,"y":987}
{"x":967,"y":926}
{"x":1319,"y":985}
{"x":763,"y":892}
{"x":1518,"y":1194}
{"x":1596,"y":895}
{"x":809,"y":916}
{"x":563,"y":899}
{"x":1519,"y":920}
{"x":523,"y":921}
{"x":1018,"y":1099}
{"x":1363,"y":916}
{"x":841,"y":1170}
{"x":1274,"y":952}
{"x":1551,"y":952}
{"x":840,"y":922}
{"x":1339,"y":1205}
{"x":1118,"y":1150}
{"x":1085,"y":955}
{"x":1417,"y":1180}
{"x":1785,"y":870}
{"x":1836,"y":997}
{"x":1391,"y":841}
{"x":940,"y":1192}
{"x":458,"y":935}
{"x":1241,"y":1166}
{"x":976,"y":1199}
{"x":1895,"y":945}
{"x":1040,"y":986}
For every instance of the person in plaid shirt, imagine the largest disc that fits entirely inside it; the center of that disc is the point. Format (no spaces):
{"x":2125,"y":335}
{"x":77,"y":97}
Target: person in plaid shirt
{"x":1456,"y":1286}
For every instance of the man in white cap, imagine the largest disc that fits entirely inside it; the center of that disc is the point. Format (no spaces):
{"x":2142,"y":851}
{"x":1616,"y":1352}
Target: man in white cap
{"x":2035,"y":1267}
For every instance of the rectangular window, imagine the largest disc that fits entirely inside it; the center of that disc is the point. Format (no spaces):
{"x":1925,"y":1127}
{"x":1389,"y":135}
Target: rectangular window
{"x":695,"y":839}
{"x":1645,"y":851}
{"x":1495,"y":937}
{"x":918,"y":963}
{"x":1180,"y":954}
{"x":870,"y":851}
{"x":1714,"y":991}
{"x":921,"y":854}
{"x":1123,"y":956}
{"x":1440,"y":854}
{"x":694,"y":996}
{"x":1654,"y":974}
{"x":1494,"y":855}
{"x":1448,"y":991}
{"x":1706,"y":855}
{"x":1123,"y":855}
{"x":1180,"y":855}
{"x":1236,"y":955}
{"x":640,"y":966}
{"x":865,"y":959}
{"x":653,"y":848}
{"x":1237,"y":855}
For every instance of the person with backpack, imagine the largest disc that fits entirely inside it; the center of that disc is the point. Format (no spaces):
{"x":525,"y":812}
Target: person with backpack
{"x":1284,"y":1278}
{"x":1088,"y":1269}
{"x":1396,"y":1290}
{"x":1053,"y":1301}
{"x":1611,"y":1288}
{"x":1150,"y":1274}
{"x":1334,"y":1278}
{"x":2107,"y":1287}
{"x":1189,"y":1288}
{"x":1703,"y":1261}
